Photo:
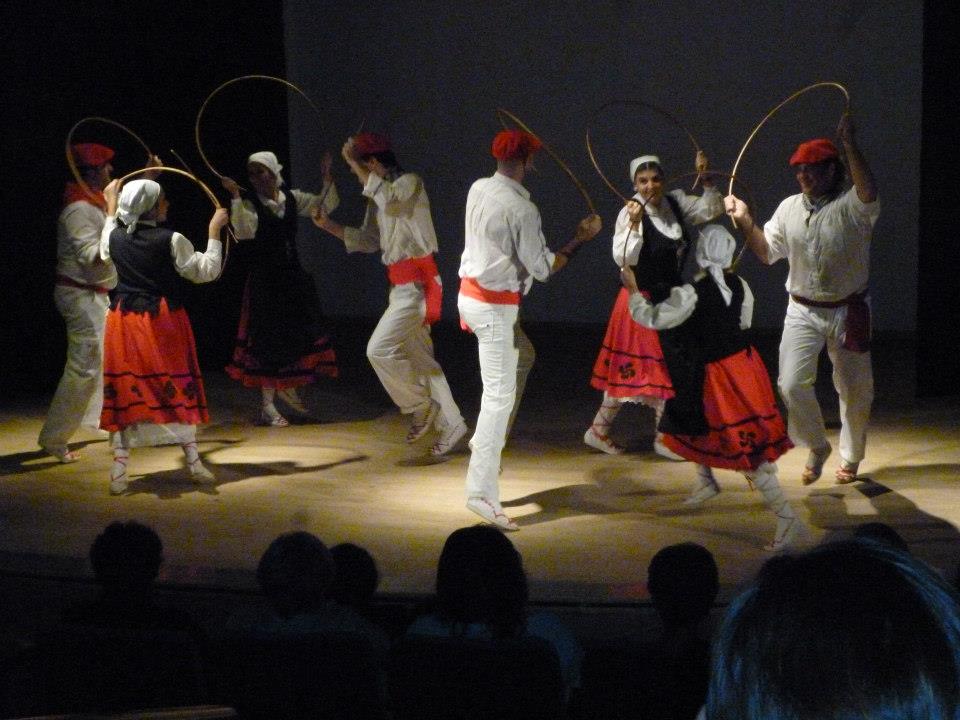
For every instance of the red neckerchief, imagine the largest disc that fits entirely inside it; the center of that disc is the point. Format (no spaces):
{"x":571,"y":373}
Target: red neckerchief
{"x":75,"y":192}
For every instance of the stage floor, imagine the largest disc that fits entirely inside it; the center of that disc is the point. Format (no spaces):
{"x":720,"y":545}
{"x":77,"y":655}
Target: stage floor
{"x":589,"y":522}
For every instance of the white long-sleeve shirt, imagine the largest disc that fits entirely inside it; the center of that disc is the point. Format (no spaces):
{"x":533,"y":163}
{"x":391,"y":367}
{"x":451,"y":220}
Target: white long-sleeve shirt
{"x":504,"y":248}
{"x":78,"y":246}
{"x":192,"y":265}
{"x":828,"y":249}
{"x":677,"y":308}
{"x":397,"y":221}
{"x":695,"y":209}
{"x":243,"y":215}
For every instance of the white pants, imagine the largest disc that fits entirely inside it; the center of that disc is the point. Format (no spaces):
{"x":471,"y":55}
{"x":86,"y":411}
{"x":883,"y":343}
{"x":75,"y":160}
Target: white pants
{"x":79,"y":396}
{"x":506,"y":356}
{"x":401,"y":353}
{"x":805,"y":331}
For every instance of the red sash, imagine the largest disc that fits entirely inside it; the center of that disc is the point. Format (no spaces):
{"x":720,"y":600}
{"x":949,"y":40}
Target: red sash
{"x":424,"y":270}
{"x":856,"y":329}
{"x":471,"y":288}
{"x":70,"y":282}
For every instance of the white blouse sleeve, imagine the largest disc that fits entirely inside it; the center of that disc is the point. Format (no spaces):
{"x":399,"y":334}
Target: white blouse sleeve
{"x":108,"y":228}
{"x":366,"y":238}
{"x":192,"y":265}
{"x":746,"y":309}
{"x":305,"y":200}
{"x":667,"y":314}
{"x":243,"y":217}
{"x":626,"y":240}
{"x":698,"y":209}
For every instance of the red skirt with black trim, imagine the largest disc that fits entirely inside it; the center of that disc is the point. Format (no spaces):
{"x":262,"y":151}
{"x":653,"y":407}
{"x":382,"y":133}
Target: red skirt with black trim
{"x":746,"y":428}
{"x":630,"y":363}
{"x":280,"y":349}
{"x":150,"y":370}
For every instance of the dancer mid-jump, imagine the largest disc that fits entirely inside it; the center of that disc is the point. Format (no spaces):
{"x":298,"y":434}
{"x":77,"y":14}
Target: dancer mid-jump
{"x":398,"y":224}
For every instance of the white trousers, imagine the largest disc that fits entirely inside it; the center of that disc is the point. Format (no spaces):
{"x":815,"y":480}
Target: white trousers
{"x":79,"y":396}
{"x":506,"y":356}
{"x":401,"y":353}
{"x":805,"y":331}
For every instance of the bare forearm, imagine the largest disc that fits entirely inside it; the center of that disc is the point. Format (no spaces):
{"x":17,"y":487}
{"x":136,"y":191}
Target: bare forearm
{"x":757,"y":242}
{"x":860,"y":172}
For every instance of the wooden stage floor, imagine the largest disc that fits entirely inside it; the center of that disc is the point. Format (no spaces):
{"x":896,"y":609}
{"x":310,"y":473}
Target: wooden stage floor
{"x":589,"y":522}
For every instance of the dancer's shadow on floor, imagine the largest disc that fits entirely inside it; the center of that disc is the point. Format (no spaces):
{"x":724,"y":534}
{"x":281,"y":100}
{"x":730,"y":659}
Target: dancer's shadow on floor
{"x":613,"y":491}
{"x":839,"y":509}
{"x":33,"y":461}
{"x":173,"y":484}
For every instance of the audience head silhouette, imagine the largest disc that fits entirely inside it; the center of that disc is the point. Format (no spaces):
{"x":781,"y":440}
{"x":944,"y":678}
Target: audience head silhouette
{"x":683,"y":583}
{"x":126,"y":555}
{"x":852,"y":629}
{"x":355,"y":576}
{"x":295,"y":573}
{"x":881,"y":533}
{"x":480,"y":579}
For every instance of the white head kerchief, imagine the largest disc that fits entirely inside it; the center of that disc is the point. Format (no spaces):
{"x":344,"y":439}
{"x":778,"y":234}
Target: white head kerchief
{"x":268,"y":160}
{"x":136,"y":198}
{"x":714,"y":253}
{"x":642,"y":160}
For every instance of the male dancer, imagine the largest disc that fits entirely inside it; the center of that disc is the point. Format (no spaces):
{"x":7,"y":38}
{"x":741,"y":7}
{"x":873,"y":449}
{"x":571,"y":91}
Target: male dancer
{"x":80,"y":294}
{"x":398,"y":223}
{"x":824,"y":233}
{"x":504,"y":252}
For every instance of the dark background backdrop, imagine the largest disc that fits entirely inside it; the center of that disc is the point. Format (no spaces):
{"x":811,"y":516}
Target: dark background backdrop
{"x":430,"y":74}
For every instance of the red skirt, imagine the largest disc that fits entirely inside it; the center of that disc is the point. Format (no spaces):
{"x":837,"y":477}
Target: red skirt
{"x":281,"y":349}
{"x":630,"y":362}
{"x":150,"y":370}
{"x":746,"y":428}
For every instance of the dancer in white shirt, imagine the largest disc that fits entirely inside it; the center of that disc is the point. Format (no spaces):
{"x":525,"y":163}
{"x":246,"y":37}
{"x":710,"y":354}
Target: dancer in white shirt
{"x":824,"y":233}
{"x":82,"y":283}
{"x":504,"y":252}
{"x":398,"y":224}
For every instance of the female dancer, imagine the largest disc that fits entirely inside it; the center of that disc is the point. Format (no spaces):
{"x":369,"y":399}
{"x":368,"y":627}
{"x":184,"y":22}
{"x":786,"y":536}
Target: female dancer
{"x":723,"y":413}
{"x":153,"y":392}
{"x":281,"y":344}
{"x":651,"y":235}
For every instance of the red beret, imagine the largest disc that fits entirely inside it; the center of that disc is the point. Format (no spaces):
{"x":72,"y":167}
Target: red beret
{"x":814,"y":151}
{"x":91,"y":154}
{"x":514,"y":145}
{"x":370,"y":144}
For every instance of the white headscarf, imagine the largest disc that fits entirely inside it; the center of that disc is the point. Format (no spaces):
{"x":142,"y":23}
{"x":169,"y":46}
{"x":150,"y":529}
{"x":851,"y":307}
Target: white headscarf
{"x":269,"y":161}
{"x":714,"y":253}
{"x":642,"y":160}
{"x":136,"y":198}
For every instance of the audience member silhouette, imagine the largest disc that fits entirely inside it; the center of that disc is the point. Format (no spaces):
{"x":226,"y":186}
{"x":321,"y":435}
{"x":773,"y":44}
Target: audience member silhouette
{"x":296,"y":576}
{"x":355,"y":576}
{"x":303,"y":655}
{"x":126,"y":559}
{"x":481,"y":592}
{"x":665,"y":678}
{"x":851,"y":629}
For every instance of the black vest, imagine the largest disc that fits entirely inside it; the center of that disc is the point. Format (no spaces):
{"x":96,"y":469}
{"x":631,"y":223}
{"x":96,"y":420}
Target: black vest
{"x":276,"y":240}
{"x":715,"y":324}
{"x":711,"y":333}
{"x":145,"y":270}
{"x":661,"y":259}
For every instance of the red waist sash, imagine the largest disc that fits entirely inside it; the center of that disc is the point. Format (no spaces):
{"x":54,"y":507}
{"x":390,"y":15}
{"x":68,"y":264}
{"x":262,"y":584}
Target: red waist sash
{"x":856,"y":329}
{"x":423,"y":270}
{"x":70,"y":282}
